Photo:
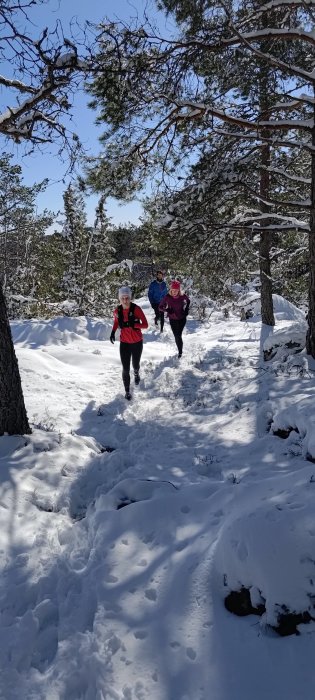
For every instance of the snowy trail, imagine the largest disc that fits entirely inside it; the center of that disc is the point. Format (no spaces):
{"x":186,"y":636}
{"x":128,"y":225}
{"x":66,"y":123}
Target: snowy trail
{"x":112,"y":589}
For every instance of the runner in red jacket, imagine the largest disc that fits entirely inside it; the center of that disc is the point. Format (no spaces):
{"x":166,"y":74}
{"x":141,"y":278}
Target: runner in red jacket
{"x":130,"y":319}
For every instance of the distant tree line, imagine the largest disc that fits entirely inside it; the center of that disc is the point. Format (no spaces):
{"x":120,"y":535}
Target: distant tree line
{"x":77,"y":268}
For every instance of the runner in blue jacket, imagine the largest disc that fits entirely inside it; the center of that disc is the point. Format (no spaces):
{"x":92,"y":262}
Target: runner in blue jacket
{"x":157,"y":292}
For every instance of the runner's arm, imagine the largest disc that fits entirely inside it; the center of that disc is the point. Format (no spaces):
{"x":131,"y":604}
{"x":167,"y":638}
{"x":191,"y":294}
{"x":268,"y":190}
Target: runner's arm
{"x":115,"y":324}
{"x":141,"y":321}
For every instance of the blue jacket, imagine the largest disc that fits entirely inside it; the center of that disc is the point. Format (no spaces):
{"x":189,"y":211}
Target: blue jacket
{"x":157,"y":291}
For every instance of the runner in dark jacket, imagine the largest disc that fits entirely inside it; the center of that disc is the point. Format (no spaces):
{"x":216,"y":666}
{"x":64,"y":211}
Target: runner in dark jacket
{"x":130,"y":319}
{"x":157,"y":290}
{"x":177,"y":306}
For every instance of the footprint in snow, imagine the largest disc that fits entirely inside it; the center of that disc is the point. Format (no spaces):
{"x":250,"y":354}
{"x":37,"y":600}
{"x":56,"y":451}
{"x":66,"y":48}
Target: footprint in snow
{"x":142,"y":562}
{"x":140,"y":634}
{"x":191,"y":653}
{"x":218,"y":513}
{"x":175,"y":645}
{"x":242,"y":551}
{"x":181,"y":545}
{"x":185,"y":509}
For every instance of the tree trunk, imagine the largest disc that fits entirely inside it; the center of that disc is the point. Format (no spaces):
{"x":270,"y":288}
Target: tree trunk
{"x":13,"y":417}
{"x":310,"y":336}
{"x":267,"y":315}
{"x":264,"y":86}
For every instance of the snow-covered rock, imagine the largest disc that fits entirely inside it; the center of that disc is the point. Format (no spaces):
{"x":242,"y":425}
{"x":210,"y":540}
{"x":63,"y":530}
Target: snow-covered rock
{"x":283,"y":342}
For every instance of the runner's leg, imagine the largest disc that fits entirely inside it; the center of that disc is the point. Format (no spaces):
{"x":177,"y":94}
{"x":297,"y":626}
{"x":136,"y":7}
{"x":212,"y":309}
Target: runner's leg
{"x":125,"y":356}
{"x":136,"y":352}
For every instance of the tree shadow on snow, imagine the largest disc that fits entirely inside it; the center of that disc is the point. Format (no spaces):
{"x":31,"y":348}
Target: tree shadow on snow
{"x":92,"y":597}
{"x":75,"y":597}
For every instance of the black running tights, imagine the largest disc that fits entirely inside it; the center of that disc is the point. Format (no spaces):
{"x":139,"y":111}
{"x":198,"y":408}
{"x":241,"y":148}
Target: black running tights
{"x":130,"y":351}
{"x":177,"y":328}
{"x":159,"y":315}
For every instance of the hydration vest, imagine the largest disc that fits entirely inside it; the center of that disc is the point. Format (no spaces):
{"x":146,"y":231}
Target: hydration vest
{"x":131,"y":316}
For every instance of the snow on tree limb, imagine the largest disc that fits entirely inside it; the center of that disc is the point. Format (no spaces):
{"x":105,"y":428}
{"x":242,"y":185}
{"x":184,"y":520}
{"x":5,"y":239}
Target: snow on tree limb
{"x":47,"y":69}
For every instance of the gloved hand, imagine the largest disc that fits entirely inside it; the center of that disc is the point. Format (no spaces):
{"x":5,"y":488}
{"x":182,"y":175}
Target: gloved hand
{"x":112,"y":337}
{"x":170,"y":310}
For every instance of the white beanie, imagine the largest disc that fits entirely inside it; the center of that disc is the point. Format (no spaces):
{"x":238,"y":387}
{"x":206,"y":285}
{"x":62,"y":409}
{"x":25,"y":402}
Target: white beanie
{"x":124,"y":292}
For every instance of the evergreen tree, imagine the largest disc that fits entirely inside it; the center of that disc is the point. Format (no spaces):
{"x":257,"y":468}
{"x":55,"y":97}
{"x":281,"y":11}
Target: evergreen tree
{"x":77,"y":238}
{"x":36,"y":78}
{"x":210,"y":224}
{"x":51,"y":270}
{"x":98,"y":257}
{"x":233,"y":68}
{"x":21,"y":230}
{"x":92,"y":270}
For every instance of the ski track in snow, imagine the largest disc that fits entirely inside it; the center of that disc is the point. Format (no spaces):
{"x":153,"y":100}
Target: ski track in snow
{"x":106,"y":604}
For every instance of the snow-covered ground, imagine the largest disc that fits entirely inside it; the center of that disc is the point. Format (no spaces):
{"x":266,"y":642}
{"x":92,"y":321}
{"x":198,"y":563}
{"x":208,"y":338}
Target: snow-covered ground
{"x":124,"y":526}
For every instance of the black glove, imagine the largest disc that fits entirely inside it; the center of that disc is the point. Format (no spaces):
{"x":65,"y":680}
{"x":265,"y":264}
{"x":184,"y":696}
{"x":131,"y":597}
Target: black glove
{"x":112,"y":337}
{"x":170,"y":310}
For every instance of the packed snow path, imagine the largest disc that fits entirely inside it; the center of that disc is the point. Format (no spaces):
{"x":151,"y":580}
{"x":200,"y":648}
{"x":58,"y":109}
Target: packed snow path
{"x":112,"y":514}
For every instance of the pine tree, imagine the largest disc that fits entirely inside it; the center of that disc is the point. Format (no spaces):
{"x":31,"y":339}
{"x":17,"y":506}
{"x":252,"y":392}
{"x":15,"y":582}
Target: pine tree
{"x":90,"y":270}
{"x":233,"y":69}
{"x":51,"y":270}
{"x":21,"y":233}
{"x":77,"y":238}
{"x":36,"y":99}
{"x":99,"y":256}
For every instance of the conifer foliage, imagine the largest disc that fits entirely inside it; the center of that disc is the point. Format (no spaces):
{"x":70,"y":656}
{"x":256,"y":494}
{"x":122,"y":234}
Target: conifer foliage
{"x":21,"y":237}
{"x":238,"y":71}
{"x":37,"y":76}
{"x":77,"y":247}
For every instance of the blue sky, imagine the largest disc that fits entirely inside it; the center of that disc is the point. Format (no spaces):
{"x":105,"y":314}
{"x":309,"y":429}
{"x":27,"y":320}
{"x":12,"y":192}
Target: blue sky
{"x":47,"y":164}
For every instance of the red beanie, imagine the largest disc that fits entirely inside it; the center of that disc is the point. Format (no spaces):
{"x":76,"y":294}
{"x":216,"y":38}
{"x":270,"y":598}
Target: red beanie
{"x":175,"y":285}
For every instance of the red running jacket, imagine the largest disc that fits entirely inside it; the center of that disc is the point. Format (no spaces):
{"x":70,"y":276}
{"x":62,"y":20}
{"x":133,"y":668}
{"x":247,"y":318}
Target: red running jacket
{"x":127,"y":334}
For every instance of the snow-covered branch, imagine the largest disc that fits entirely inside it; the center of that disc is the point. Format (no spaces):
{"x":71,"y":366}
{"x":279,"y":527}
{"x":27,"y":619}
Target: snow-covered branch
{"x":47,"y":69}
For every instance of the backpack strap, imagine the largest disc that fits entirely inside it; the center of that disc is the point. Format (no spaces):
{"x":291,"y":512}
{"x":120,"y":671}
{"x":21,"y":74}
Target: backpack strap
{"x":120,"y":316}
{"x":131,"y":316}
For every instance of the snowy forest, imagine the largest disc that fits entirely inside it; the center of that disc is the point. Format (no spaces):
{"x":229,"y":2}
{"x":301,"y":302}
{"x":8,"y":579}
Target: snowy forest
{"x":130,"y":531}
{"x":218,"y":118}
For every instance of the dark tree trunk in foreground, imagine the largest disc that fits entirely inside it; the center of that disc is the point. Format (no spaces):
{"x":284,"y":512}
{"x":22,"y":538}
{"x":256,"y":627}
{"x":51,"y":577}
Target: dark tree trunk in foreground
{"x":310,"y":337}
{"x":41,"y":77}
{"x":13,"y":417}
